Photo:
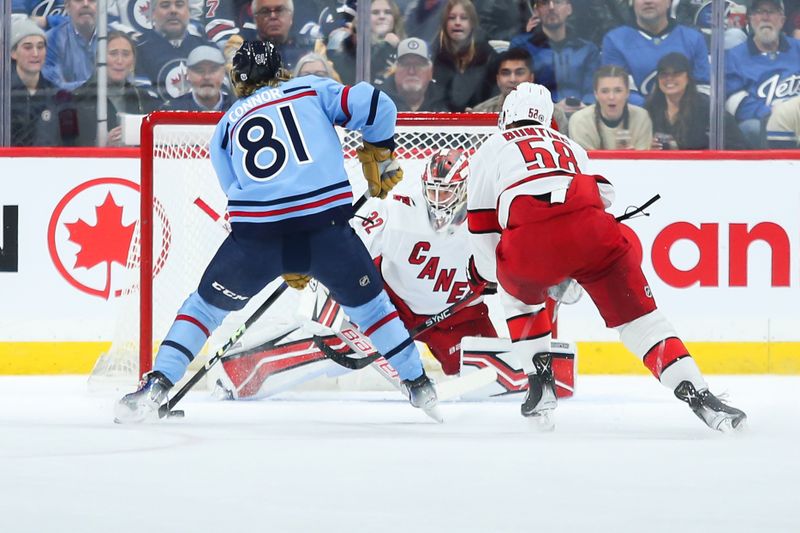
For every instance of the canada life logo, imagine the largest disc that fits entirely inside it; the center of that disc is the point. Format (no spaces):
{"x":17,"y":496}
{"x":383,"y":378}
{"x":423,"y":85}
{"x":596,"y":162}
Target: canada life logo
{"x":90,"y":234}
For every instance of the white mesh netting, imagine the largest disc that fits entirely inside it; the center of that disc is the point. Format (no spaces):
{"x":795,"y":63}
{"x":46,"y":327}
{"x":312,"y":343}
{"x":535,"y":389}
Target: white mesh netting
{"x":188,"y":229}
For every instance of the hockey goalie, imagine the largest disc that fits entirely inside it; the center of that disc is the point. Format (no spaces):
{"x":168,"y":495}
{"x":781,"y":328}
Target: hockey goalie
{"x":418,"y":239}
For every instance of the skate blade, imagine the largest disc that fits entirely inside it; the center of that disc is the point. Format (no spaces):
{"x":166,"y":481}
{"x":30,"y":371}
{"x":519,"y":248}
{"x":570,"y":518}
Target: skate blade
{"x":434,"y":413}
{"x":542,"y":421}
{"x":727,"y":427}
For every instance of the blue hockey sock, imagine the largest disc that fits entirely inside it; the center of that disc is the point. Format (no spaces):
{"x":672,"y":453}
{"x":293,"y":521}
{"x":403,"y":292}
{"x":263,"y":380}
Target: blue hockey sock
{"x":195,"y":322}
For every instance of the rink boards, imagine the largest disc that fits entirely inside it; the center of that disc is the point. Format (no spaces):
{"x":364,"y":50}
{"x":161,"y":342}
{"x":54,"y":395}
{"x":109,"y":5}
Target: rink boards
{"x":721,"y":250}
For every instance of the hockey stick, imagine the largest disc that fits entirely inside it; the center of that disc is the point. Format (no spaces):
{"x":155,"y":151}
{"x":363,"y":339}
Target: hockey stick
{"x":640,"y":209}
{"x":166,"y":408}
{"x":357,"y":363}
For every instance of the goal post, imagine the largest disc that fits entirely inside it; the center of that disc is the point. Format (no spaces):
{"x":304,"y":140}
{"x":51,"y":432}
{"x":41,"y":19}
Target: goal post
{"x":182,"y":220}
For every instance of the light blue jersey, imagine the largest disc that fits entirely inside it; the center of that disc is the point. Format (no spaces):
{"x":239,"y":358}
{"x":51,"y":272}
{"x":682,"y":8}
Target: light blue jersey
{"x":278,"y":157}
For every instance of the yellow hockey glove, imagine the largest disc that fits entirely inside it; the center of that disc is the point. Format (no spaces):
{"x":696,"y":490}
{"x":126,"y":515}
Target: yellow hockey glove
{"x":381,"y":170}
{"x":296,"y":281}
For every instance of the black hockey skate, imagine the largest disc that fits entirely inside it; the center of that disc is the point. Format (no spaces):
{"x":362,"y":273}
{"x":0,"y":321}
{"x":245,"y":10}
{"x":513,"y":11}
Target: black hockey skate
{"x":422,"y":394}
{"x":540,"y":401}
{"x":137,"y":406}
{"x":710,"y":409}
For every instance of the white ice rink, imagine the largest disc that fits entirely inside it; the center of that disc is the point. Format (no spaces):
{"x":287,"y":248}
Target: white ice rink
{"x":625,"y":457}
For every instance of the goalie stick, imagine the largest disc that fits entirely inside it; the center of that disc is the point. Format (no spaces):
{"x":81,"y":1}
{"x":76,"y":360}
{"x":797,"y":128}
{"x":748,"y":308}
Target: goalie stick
{"x":356,"y":363}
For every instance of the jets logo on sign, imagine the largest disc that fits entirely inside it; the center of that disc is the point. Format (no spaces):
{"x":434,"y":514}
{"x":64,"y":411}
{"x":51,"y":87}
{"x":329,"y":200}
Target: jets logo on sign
{"x":172,"y":80}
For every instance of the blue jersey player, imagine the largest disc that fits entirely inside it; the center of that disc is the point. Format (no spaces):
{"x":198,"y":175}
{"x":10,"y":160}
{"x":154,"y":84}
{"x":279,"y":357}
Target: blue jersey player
{"x":280,"y":162}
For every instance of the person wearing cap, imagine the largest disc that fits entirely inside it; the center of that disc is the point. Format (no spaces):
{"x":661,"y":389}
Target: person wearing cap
{"x":206,"y":75}
{"x":72,"y":46}
{"x":411,"y":86}
{"x":33,"y":115}
{"x":639,"y":46}
{"x":274,"y":21}
{"x":762,"y":71}
{"x":123,"y":95}
{"x":680,"y":114}
{"x":163,"y":51}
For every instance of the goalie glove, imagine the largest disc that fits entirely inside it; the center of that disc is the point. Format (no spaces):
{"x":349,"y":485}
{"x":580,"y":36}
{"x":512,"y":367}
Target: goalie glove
{"x":381,"y":170}
{"x":567,"y":292}
{"x":296,"y":281}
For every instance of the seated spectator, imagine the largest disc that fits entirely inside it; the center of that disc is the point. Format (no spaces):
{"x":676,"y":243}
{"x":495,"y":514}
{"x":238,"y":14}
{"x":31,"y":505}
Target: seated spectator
{"x":162,"y":51}
{"x":387,"y":32}
{"x":424,"y":19}
{"x":122,"y":95}
{"x":34,"y":118}
{"x":274,"y":20}
{"x":612,"y":123}
{"x":638,"y":47}
{"x":783,"y":127}
{"x":315,"y":65}
{"x":514,"y":67}
{"x":564,"y":62}
{"x":681,"y":115}
{"x":411,"y":87}
{"x":71,"y":47}
{"x":461,"y":59}
{"x":761,"y":72}
{"x":206,"y":74}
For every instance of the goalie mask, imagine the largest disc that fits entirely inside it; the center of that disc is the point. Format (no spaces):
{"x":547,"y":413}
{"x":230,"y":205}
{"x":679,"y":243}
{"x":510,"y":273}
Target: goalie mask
{"x":444,"y":186}
{"x":529,"y":101}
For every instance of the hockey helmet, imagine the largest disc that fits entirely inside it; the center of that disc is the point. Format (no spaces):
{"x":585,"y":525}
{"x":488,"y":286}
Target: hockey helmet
{"x":529,"y":101}
{"x":255,"y":63}
{"x":444,"y":186}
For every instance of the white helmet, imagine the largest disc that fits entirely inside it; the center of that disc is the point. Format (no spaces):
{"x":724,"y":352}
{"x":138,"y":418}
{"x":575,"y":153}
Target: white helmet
{"x":444,"y":186}
{"x":529,"y":101}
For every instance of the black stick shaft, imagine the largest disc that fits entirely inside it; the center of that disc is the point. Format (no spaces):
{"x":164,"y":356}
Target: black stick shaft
{"x":170,"y":403}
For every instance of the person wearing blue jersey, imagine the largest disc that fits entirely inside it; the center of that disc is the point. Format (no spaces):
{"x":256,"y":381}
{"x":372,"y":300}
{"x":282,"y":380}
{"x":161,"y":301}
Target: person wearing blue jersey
{"x":638,"y":47}
{"x":280,"y":163}
{"x":762,"y":71}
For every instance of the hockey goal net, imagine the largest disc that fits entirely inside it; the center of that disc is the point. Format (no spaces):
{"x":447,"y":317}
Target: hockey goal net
{"x":182,"y":224}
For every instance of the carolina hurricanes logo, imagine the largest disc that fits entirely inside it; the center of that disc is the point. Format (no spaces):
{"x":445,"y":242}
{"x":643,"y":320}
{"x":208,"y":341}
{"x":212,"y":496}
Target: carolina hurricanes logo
{"x":172,"y":79}
{"x":90,"y":234}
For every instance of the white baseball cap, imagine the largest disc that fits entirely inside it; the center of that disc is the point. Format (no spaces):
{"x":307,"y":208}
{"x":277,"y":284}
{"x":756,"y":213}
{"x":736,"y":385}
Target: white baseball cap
{"x":412,"y":46}
{"x":205,"y":53}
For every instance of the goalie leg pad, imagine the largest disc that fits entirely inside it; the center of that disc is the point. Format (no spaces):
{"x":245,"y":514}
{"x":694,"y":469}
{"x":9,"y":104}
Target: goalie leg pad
{"x":195,"y":322}
{"x":378,"y":319}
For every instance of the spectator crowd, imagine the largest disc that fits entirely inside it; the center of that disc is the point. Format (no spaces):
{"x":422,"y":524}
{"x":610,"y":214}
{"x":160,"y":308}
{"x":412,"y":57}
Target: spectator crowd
{"x":624,"y":74}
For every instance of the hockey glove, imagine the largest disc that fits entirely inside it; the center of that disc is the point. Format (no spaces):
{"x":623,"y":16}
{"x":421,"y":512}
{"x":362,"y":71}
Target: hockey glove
{"x":567,"y":292}
{"x":381,"y":170}
{"x":477,"y":283}
{"x":296,"y":281}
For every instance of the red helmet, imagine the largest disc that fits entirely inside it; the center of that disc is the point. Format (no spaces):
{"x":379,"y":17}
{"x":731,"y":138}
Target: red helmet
{"x":444,"y":186}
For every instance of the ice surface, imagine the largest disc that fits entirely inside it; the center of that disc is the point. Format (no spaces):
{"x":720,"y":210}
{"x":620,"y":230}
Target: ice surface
{"x":625,"y":456}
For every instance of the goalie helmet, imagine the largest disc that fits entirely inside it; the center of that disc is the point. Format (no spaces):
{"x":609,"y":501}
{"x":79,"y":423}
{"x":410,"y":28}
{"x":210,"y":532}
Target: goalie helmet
{"x":444,"y":187}
{"x":255,"y":63}
{"x":529,"y":101}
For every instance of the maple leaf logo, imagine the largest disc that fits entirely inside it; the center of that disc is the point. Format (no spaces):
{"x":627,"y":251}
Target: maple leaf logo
{"x":107,"y":241}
